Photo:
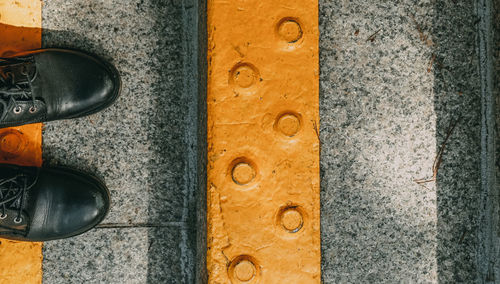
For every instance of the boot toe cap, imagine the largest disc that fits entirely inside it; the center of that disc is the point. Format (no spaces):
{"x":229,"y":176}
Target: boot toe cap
{"x":72,"y":202}
{"x":85,"y":211}
{"x":75,"y":84}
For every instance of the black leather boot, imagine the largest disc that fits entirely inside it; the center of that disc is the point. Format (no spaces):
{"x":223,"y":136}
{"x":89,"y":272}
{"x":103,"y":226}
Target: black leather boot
{"x":53,"y":84}
{"x":40,"y":204}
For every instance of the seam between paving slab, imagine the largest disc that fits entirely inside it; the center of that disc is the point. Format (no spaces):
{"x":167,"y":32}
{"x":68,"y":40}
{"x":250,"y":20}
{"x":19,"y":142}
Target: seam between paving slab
{"x":488,"y":231}
{"x":191,"y":139}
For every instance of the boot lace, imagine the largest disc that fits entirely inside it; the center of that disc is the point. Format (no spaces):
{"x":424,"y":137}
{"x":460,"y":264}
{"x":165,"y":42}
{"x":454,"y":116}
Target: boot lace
{"x":12,"y":195}
{"x":12,"y":89}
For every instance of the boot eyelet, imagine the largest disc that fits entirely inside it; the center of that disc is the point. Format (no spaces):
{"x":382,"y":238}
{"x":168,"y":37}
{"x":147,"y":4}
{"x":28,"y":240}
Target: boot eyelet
{"x":17,"y":110}
{"x":18,"y":220}
{"x":3,"y":216}
{"x":33,"y":109}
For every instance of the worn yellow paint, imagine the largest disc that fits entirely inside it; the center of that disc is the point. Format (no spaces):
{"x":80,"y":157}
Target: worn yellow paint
{"x":263,"y":142}
{"x":20,"y":29}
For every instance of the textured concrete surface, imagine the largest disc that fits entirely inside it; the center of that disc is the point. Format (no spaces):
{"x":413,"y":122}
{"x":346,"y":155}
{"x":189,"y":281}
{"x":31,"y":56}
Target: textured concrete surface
{"x":143,"y":146}
{"x":394,"y":77}
{"x":115,"y":256}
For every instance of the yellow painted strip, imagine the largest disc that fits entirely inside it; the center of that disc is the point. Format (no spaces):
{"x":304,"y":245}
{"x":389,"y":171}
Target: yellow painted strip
{"x":263,"y":142}
{"x":20,"y":29}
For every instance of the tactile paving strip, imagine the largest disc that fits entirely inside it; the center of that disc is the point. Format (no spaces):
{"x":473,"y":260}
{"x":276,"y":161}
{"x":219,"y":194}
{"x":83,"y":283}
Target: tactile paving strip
{"x":20,"y":29}
{"x":263,"y":142}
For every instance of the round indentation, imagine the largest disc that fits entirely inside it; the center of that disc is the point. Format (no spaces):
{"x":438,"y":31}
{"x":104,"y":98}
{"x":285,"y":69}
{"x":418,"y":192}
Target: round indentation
{"x":289,"y":30}
{"x":244,"y":271}
{"x":243,"y":173}
{"x":288,"y":124}
{"x":244,"y":75}
{"x":12,"y":143}
{"x":291,"y":220}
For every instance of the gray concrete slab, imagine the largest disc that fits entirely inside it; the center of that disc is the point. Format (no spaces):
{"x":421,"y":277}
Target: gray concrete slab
{"x":144,"y":146}
{"x":394,"y":77}
{"x":496,"y":89}
{"x":137,"y":144}
{"x":115,"y":256}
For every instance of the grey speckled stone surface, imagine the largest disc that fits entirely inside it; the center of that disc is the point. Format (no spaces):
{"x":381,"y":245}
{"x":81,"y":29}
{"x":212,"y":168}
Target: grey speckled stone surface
{"x":137,"y":144}
{"x":496,"y":42}
{"x":496,"y":90}
{"x":143,"y":146}
{"x":387,"y":103}
{"x":114,"y":256}
{"x":394,"y":76}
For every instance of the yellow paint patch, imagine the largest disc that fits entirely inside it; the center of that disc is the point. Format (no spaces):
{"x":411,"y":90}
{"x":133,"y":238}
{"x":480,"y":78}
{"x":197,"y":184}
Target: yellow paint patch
{"x":263,"y":155}
{"x":20,"y":30}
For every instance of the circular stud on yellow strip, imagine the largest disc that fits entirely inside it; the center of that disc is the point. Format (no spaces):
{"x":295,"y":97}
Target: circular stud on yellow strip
{"x":243,"y":173}
{"x":289,"y":30}
{"x":288,"y":124}
{"x":12,"y":143}
{"x":244,"y":271}
{"x":292,"y":220}
{"x":243,"y":75}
